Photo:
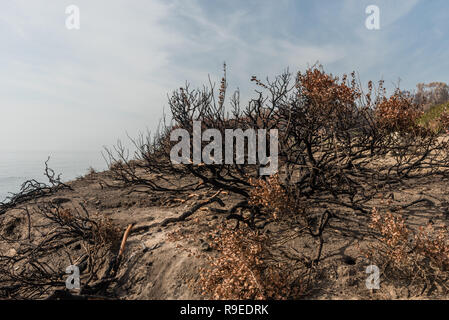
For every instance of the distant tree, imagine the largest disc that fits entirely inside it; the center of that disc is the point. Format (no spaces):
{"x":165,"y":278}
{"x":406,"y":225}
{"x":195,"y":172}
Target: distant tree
{"x":431,"y":94}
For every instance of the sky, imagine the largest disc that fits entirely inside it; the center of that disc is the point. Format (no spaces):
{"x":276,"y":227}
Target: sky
{"x":84,"y":89}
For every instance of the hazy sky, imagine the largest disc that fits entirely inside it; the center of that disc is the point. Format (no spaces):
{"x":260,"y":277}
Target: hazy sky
{"x":82,"y":89}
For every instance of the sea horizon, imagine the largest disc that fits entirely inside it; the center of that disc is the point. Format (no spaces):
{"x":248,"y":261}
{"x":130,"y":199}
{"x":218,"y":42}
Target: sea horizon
{"x":18,"y":166}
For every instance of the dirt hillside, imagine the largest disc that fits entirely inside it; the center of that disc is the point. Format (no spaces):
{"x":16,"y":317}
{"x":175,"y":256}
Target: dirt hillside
{"x":163,"y":262}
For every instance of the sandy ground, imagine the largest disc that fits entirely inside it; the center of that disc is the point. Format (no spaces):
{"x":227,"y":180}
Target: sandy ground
{"x":156,"y":267}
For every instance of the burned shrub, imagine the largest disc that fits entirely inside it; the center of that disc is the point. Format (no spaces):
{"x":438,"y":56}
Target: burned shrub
{"x":246,"y":268}
{"x":338,"y":147}
{"x":414,"y":257}
{"x":35,"y":266}
{"x":32,"y":190}
{"x":398,"y":114}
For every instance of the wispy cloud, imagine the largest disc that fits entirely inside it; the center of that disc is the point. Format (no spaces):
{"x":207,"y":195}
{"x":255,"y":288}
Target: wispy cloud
{"x":113,"y":75}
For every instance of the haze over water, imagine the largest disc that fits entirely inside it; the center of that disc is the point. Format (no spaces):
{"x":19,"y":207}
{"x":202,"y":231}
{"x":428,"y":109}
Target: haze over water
{"x":18,"y":166}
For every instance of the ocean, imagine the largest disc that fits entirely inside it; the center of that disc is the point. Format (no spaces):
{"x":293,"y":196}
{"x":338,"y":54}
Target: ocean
{"x":18,"y":166}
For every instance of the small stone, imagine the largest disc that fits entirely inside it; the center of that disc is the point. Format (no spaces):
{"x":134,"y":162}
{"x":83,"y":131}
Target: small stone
{"x":205,"y":247}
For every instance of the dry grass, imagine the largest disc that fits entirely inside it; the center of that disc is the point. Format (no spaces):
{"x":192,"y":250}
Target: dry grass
{"x":271,"y":196}
{"x":245,"y":270}
{"x":416,"y":256}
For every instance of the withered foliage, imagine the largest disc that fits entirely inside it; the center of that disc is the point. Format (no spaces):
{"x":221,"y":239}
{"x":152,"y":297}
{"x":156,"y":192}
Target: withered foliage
{"x":399,"y":113}
{"x":339,"y":147}
{"x":247,"y":269}
{"x":334,"y":140}
{"x":415,"y":256}
{"x":270,"y":195}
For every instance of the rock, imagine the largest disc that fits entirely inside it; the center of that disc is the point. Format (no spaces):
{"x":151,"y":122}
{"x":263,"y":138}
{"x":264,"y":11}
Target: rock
{"x":205,"y":247}
{"x":154,"y":246}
